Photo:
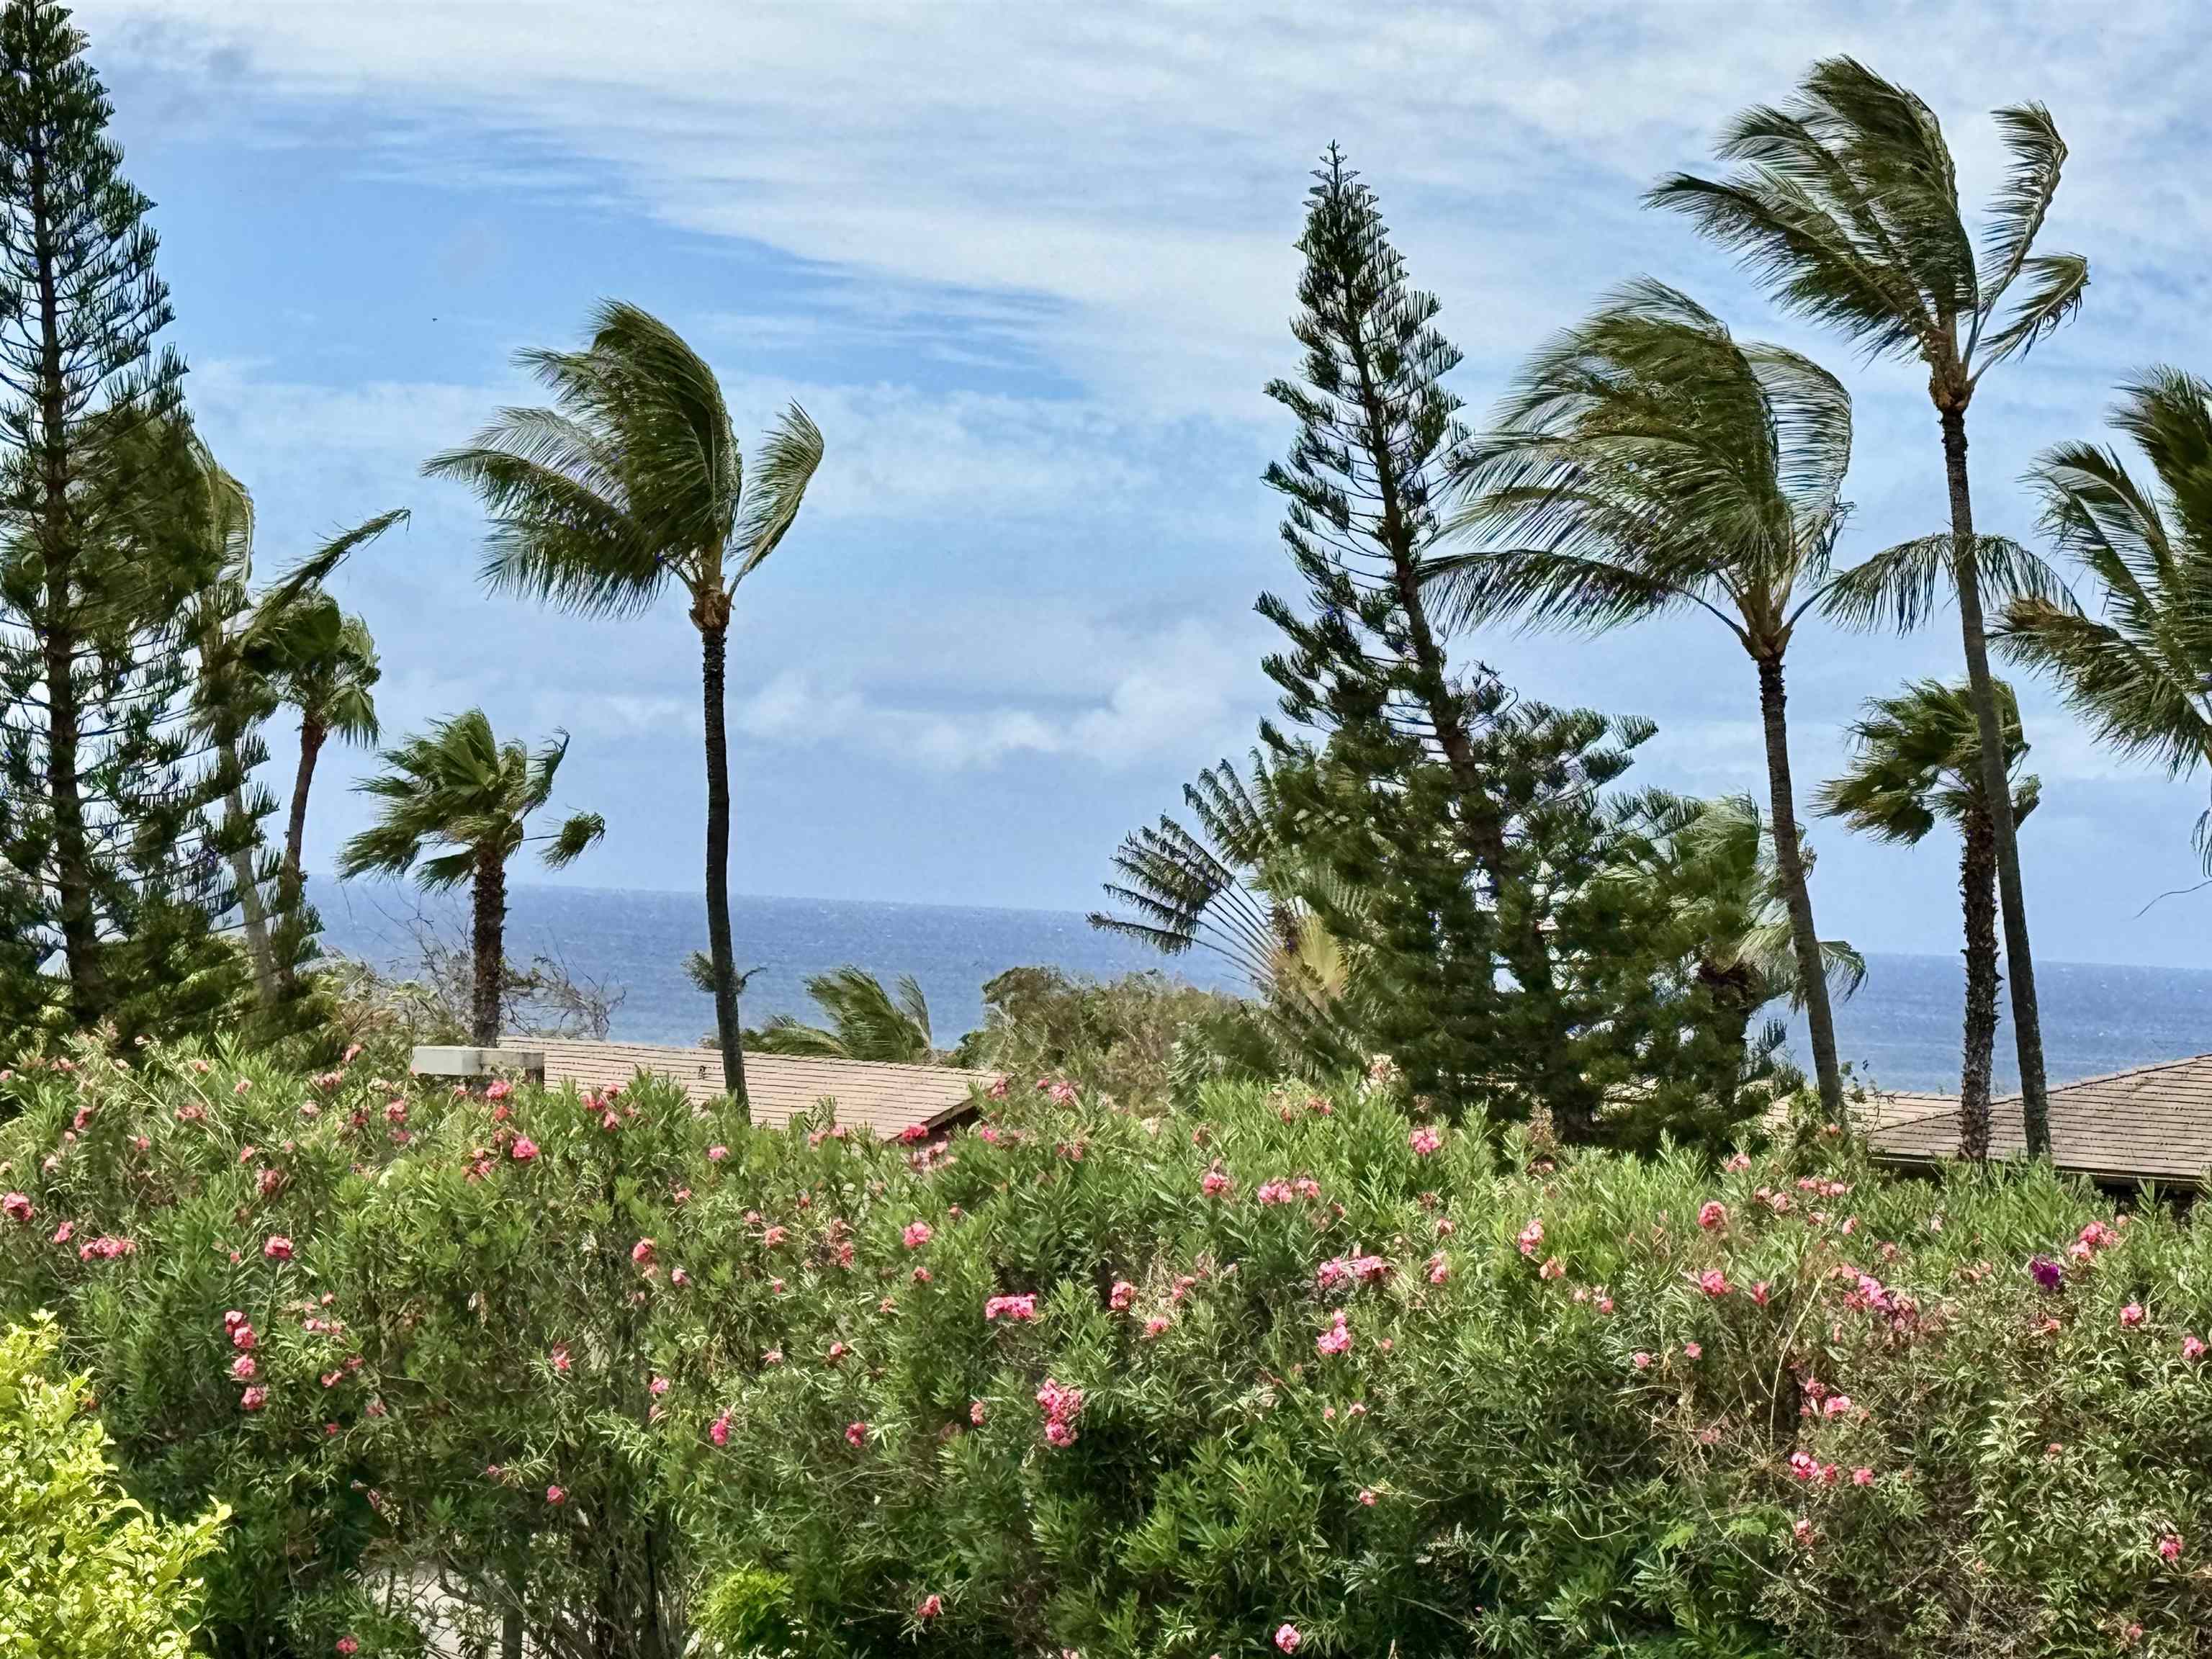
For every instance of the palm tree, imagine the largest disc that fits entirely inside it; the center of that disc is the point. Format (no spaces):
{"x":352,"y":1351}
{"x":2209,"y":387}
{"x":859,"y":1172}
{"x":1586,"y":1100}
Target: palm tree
{"x":1716,"y":862}
{"x":457,"y":786}
{"x":632,"y":483}
{"x":1916,"y":758}
{"x":866,"y":1022}
{"x":1845,"y":203}
{"x":1648,"y":461}
{"x":2140,"y":670}
{"x":321,"y":663}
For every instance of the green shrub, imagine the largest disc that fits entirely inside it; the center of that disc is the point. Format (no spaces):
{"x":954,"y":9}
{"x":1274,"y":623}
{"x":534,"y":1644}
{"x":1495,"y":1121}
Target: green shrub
{"x":1086,"y":1379}
{"x":85,"y":1573}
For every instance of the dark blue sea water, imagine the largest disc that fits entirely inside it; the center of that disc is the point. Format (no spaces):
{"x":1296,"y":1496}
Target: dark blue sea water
{"x":1901,"y":1030}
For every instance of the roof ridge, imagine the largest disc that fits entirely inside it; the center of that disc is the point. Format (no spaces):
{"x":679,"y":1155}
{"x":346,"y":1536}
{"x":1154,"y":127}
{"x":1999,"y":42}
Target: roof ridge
{"x":2111,"y":1077}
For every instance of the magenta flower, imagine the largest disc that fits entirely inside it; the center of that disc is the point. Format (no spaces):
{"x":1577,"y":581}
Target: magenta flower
{"x":554,"y":1495}
{"x":929,"y":1607}
{"x":856,"y":1435}
{"x":524,"y":1149}
{"x":718,"y":1430}
{"x":2169,"y":1547}
{"x":2046,"y":1273}
{"x":1337,"y":1338}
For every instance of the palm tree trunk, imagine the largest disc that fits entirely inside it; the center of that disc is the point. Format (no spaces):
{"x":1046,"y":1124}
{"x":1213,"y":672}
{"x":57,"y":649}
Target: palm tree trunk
{"x":490,"y":947}
{"x":1977,"y":899}
{"x":1789,"y":859}
{"x":713,"y":621}
{"x":253,"y":913}
{"x":312,"y":734}
{"x":1996,"y":790}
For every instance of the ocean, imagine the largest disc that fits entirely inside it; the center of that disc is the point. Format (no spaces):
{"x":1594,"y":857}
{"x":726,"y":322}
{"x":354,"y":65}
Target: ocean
{"x":1900,"y":1031}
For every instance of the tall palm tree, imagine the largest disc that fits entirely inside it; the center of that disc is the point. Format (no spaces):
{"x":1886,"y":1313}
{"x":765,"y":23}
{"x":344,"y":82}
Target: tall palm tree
{"x":2140,"y":668}
{"x":1916,"y":758}
{"x":1846,"y":204}
{"x":867,"y":1021}
{"x":459,"y":786}
{"x":321,"y":663}
{"x":631,"y":484}
{"x":1648,"y":461}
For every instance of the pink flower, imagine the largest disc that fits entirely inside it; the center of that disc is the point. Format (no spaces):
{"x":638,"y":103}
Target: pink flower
{"x":243,"y":1368}
{"x":233,"y":1320}
{"x":15,"y":1206}
{"x":1802,"y":1530}
{"x":2192,"y":1348}
{"x":976,"y":1412}
{"x":641,"y":1253}
{"x":1836,"y":1404}
{"x":917,"y":1234}
{"x":856,"y":1434}
{"x":1123,"y":1294}
{"x":929,"y":1607}
{"x":277,"y":1247}
{"x":1712,"y":1213}
{"x":1061,"y":1406}
{"x":1425,"y":1141}
{"x":2132,"y":1314}
{"x":555,"y":1494}
{"x":1213,"y":1182}
{"x":716,"y":1154}
{"x":1532,"y":1236}
{"x":1553,"y":1268}
{"x":1758,"y":1293}
{"x":1337,"y":1338}
{"x":1713,"y":1282}
{"x":1641,"y":1360}
{"x":1862,"y":1477}
{"x":348,"y":1644}
{"x":1691,"y":1351}
{"x":718,"y":1430}
{"x":678,"y":1277}
{"x":524,"y":1149}
{"x":242,"y":1085}
{"x":1287,"y":1638}
{"x":1367,"y":1497}
{"x":253,"y":1399}
{"x":1439,"y":1268}
{"x":2169,"y":1547}
{"x":1155,"y":1326}
{"x":913,"y":1133}
{"x":243,"y":1335}
{"x":837,"y":1352}
{"x":1017,"y":1309}
{"x":62,"y":1233}
{"x":559,"y":1356}
{"x":658,"y":1387}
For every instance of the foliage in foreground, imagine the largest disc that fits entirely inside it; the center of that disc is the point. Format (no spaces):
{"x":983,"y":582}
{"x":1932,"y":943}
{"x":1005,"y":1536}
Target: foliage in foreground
{"x":85,"y":1573}
{"x":1286,"y":1372}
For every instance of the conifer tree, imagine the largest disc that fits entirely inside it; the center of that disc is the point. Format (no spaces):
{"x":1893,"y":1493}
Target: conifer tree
{"x":104,"y":765}
{"x":1470,"y":823}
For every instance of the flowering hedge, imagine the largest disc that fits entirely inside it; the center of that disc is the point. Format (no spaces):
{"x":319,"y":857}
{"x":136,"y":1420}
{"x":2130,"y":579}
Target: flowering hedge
{"x":1290,"y":1373}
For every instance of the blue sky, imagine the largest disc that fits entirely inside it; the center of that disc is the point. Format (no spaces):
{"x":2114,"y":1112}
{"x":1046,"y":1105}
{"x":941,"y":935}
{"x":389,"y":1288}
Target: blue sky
{"x":1029,"y":266}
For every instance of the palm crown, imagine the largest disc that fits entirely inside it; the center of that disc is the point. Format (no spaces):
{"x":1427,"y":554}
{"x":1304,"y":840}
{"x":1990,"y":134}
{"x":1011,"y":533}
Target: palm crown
{"x":633,"y":479}
{"x":1647,"y":459}
{"x":459,"y":786}
{"x":1917,"y":761}
{"x":2140,"y":670}
{"x":867,"y":1021}
{"x":1845,"y":203}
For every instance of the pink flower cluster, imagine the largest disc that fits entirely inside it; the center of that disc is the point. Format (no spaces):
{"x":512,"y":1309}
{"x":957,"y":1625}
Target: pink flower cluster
{"x":1351,"y":1269}
{"x":1337,"y":1338}
{"x":106,"y":1247}
{"x":1281,"y":1191}
{"x":15,"y":1206}
{"x":1214,"y":1184}
{"x":916,"y":1234}
{"x":1123,"y":1294}
{"x":1531,"y":1238}
{"x":1712,"y":1214}
{"x":2093,"y":1237}
{"x":1425,"y":1141}
{"x":1062,"y":1406}
{"x":1017,"y":1309}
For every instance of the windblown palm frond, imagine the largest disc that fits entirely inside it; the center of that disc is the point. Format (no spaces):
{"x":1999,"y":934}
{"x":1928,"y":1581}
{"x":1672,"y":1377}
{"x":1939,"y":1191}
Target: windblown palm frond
{"x":1844,"y":204}
{"x":1646,"y":460}
{"x":1901,"y":586}
{"x":2137,"y":663}
{"x":459,"y":787}
{"x":1916,"y":760}
{"x":867,"y":1021}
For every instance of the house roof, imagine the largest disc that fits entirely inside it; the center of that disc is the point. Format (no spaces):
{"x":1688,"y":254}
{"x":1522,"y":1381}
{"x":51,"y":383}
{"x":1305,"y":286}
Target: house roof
{"x":869,"y":1094}
{"x":2147,"y":1123}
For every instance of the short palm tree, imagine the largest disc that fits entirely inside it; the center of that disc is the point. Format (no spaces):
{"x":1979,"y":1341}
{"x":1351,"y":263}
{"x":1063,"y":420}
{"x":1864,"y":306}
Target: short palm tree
{"x":867,"y":1021}
{"x":459,"y":786}
{"x":633,"y":483}
{"x":2139,"y":667}
{"x":1715,"y":862}
{"x":1648,"y":461}
{"x":1845,"y":203}
{"x":1916,"y":759}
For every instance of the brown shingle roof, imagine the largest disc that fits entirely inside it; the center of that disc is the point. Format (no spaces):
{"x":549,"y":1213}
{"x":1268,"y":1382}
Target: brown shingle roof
{"x":2148,"y":1123}
{"x":882,"y":1097}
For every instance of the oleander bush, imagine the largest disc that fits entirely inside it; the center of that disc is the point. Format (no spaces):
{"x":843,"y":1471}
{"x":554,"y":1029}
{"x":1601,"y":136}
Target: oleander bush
{"x":1286,"y":1372}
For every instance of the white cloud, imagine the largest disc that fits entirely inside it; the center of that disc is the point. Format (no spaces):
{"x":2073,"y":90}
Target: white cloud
{"x":1182,"y":694}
